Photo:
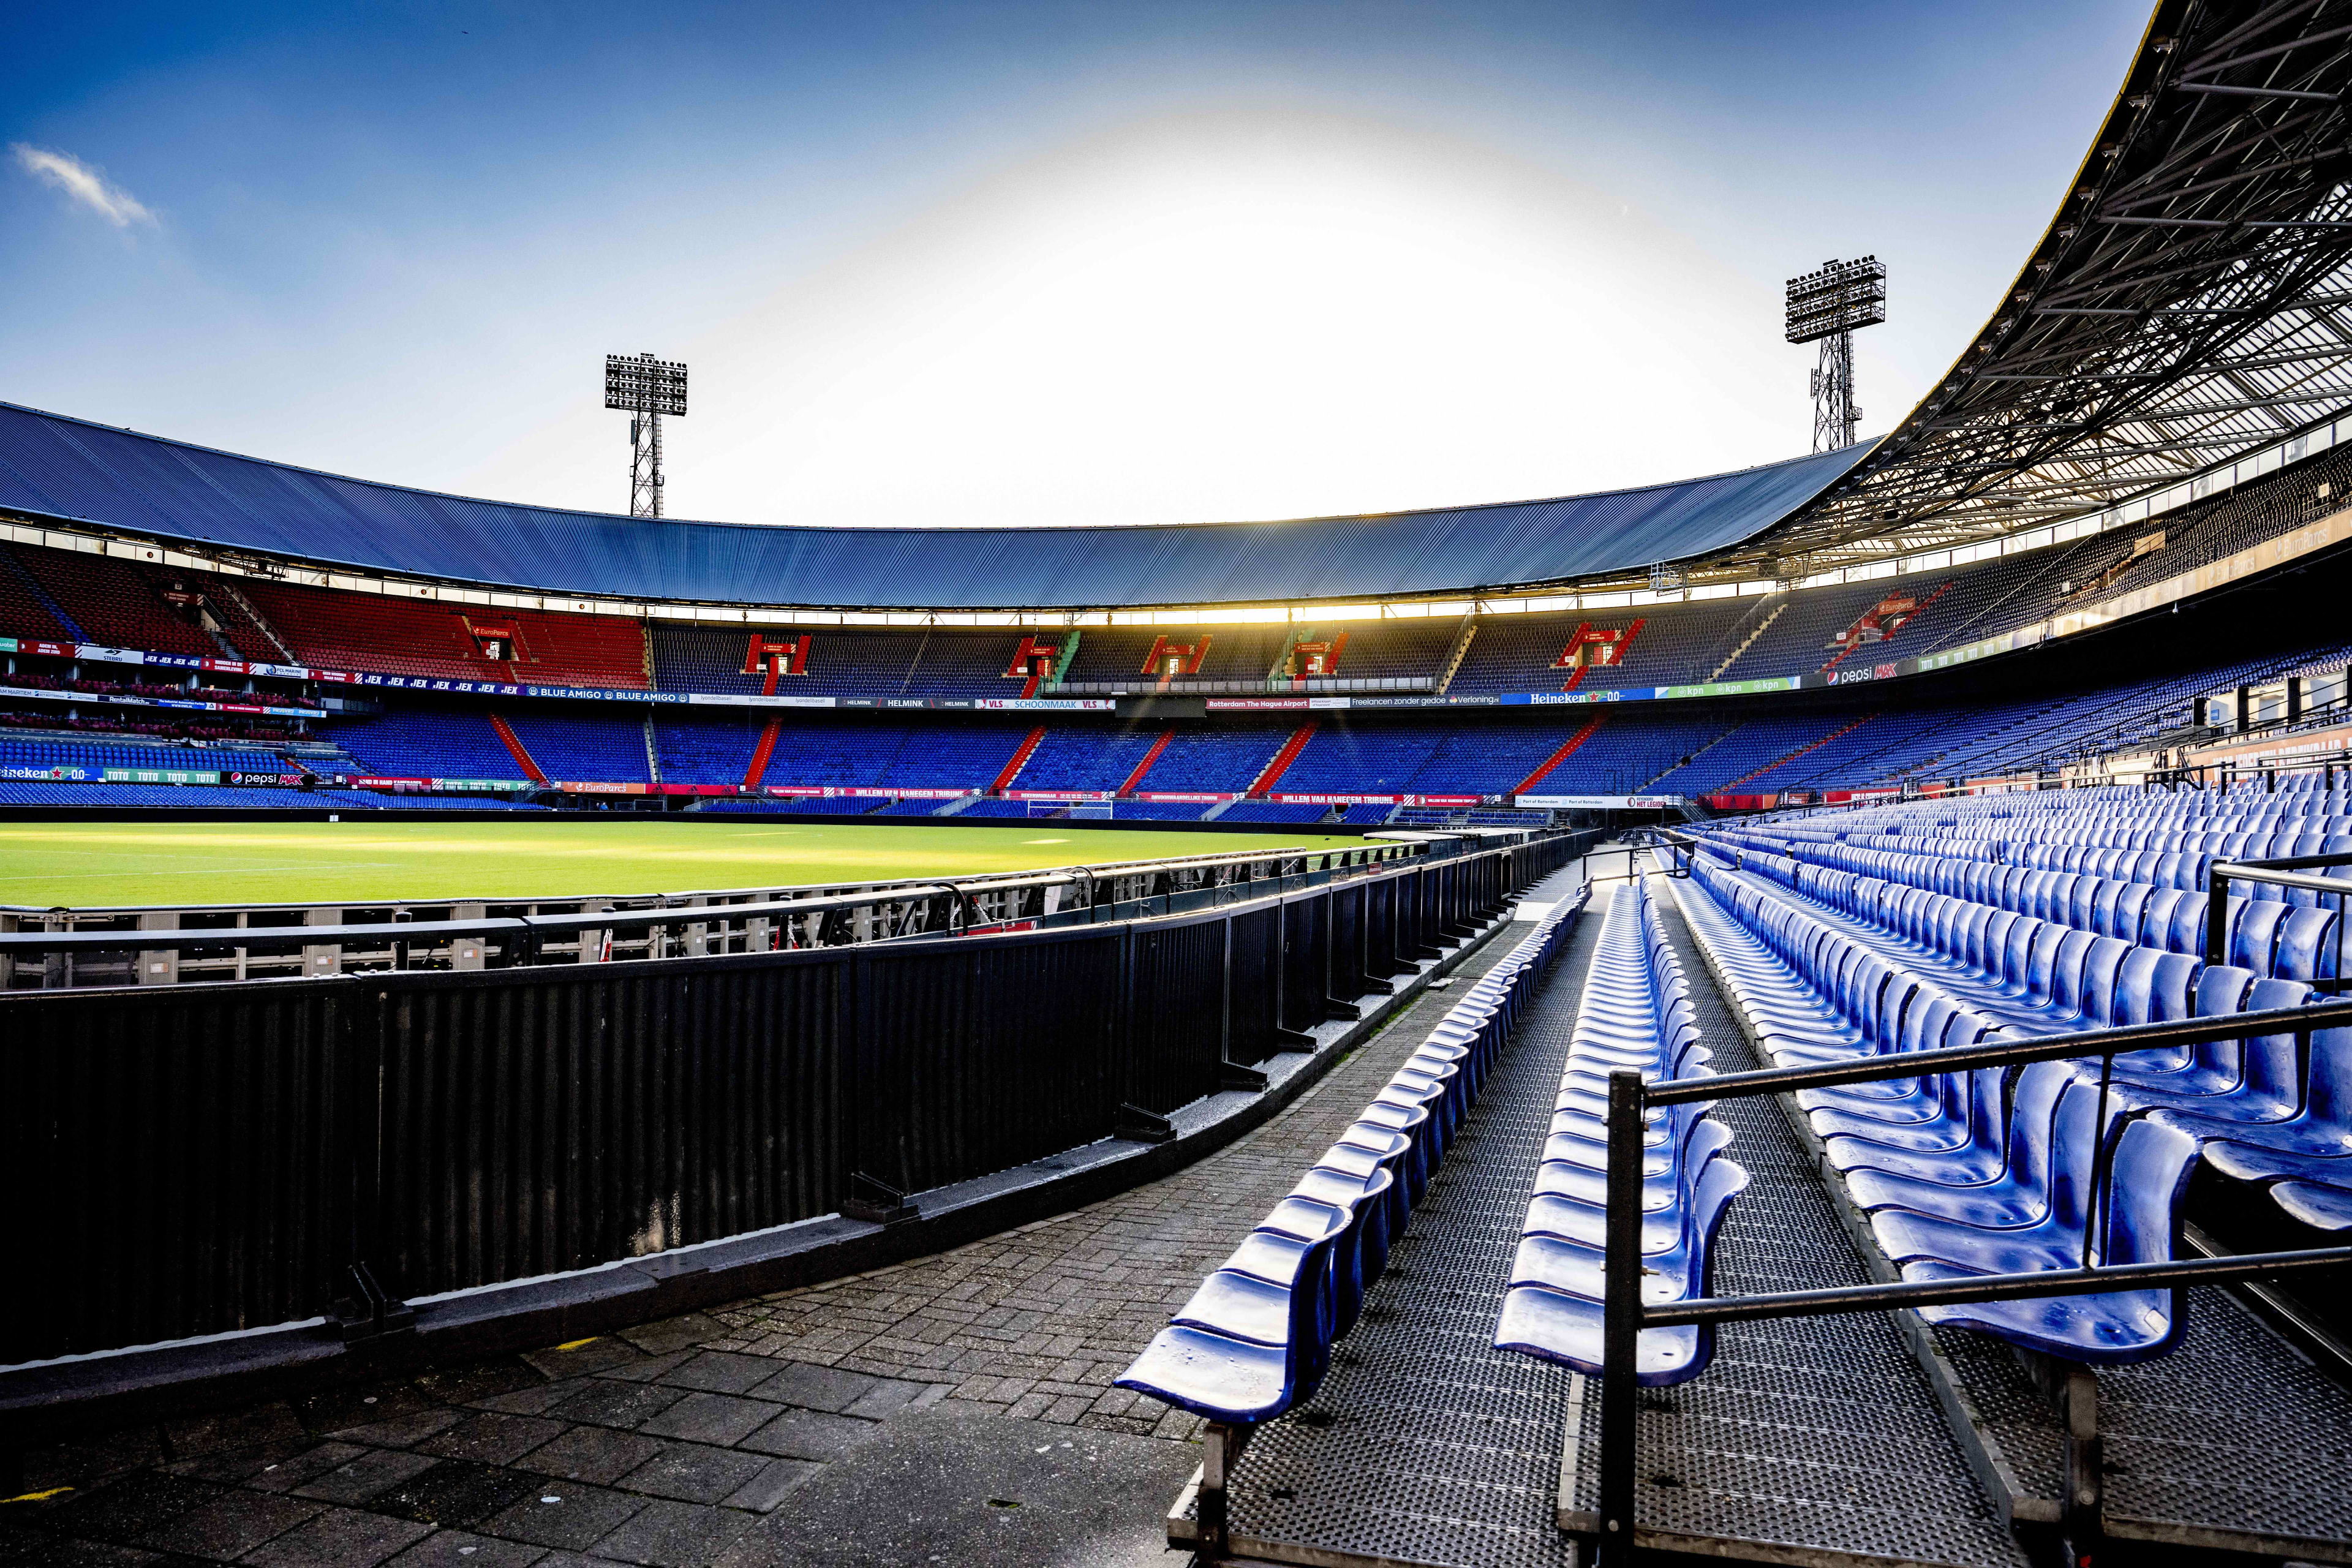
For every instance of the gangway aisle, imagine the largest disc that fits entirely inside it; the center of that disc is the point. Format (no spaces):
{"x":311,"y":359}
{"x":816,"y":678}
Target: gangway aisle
{"x":1816,"y":1436}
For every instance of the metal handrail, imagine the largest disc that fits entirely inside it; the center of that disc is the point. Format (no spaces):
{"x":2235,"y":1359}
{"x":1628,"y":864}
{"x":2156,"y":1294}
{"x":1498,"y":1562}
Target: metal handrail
{"x":2287,"y":871}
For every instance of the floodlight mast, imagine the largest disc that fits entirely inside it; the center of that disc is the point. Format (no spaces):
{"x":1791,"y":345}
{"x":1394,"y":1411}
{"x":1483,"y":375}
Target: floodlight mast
{"x":646,"y":388}
{"x":1825,"y":307}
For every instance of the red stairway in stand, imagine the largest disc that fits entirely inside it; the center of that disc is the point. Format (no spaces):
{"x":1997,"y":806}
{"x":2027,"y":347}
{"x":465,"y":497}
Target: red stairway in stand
{"x":759,"y":754}
{"x":1144,"y":766}
{"x":1567,"y":750}
{"x":1273,"y":772}
{"x":1020,"y":759}
{"x":514,"y":744}
{"x":1800,"y":752}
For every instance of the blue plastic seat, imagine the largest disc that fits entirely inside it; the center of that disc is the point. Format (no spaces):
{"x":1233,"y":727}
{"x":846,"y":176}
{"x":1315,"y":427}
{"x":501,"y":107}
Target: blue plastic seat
{"x":1556,"y":1325}
{"x":2147,"y":1179}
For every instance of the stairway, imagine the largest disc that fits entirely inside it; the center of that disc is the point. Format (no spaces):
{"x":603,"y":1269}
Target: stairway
{"x":1460,"y":652}
{"x":1271,"y":774}
{"x":1020,"y":759}
{"x":1749,"y":640}
{"x":1143,"y":767}
{"x":1695,"y":756}
{"x":761,"y":753}
{"x":260,"y":623}
{"x":1568,"y":749}
{"x":531,"y":770}
{"x":1800,"y":752}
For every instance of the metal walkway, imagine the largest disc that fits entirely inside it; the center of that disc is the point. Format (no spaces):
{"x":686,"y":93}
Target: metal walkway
{"x":1818,"y":1442}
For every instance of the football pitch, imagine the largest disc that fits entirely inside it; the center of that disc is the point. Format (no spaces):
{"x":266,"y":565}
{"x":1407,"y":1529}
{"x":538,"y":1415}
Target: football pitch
{"x":79,"y":864}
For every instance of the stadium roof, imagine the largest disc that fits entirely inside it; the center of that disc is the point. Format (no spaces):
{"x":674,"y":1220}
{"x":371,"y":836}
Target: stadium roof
{"x":68,"y":470}
{"x":2185,"y":306}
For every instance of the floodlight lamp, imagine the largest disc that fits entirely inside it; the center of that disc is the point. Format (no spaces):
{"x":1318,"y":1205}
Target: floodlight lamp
{"x":1838,"y":297}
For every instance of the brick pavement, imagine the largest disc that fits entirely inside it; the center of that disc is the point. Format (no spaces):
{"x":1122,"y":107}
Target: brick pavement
{"x":688,"y":1441}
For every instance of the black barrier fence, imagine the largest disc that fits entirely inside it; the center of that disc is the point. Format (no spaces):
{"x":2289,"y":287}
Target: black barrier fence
{"x":199,"y":1159}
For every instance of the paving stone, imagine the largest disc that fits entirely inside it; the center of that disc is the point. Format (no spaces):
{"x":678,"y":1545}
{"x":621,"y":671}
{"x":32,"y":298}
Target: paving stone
{"x":720,"y":1372}
{"x":272,"y":1468}
{"x":674,"y":1534}
{"x":623,"y":1404}
{"x":361,"y":1405}
{"x":578,"y":1517}
{"x":339,"y":1538}
{"x":462,"y":1549}
{"x":772,"y":1484}
{"x":887,"y":1398}
{"x":403,"y":1431}
{"x":483,"y":1380}
{"x":534,"y":1399}
{"x":817,"y":1387}
{"x":596,"y":1454}
{"x":720,"y":1418}
{"x":230,"y":1525}
{"x":244,"y":1428}
{"x":455,"y":1492}
{"x":673,"y":1333}
{"x":364,"y":1474}
{"x":650,"y":1370}
{"x":691,"y":1473}
{"x":584,"y":1356}
{"x":126,"y":1510}
{"x":810,"y":1435}
{"x":493,"y":1437}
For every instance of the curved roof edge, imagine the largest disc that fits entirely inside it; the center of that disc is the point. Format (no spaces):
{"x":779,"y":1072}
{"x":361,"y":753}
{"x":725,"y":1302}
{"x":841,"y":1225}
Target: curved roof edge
{"x":73,"y":471}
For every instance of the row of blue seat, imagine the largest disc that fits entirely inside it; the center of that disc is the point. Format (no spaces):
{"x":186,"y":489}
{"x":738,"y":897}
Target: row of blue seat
{"x":2290,"y":938}
{"x":1256,"y":1337}
{"x":1634,"y":1013}
{"x":2268,"y":1109}
{"x":1955,"y":1182}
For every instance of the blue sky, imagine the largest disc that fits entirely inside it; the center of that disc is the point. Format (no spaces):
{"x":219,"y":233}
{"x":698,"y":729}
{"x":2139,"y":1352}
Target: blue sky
{"x":1016,"y":262}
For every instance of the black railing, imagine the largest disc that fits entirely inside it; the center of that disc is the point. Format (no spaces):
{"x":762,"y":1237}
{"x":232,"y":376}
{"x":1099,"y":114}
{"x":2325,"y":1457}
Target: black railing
{"x":208,"y":1158}
{"x":1624,"y":1314}
{"x":154,"y":945}
{"x":2291,"y":871}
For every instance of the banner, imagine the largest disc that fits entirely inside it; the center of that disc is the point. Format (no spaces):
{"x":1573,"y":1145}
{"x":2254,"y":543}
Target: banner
{"x":160,"y":775}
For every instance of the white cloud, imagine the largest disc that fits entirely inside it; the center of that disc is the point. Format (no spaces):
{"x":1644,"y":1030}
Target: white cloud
{"x":82,"y":183}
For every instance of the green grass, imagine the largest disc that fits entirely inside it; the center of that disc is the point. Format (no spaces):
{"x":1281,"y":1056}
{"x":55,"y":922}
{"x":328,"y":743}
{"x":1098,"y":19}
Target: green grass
{"x":46,"y":864}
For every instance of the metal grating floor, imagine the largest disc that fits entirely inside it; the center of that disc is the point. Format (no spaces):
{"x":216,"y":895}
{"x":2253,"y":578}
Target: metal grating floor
{"x":2233,"y":1441}
{"x":1425,"y":1444}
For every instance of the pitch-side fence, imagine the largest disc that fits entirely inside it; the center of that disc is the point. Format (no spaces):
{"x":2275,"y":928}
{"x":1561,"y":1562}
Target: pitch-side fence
{"x":196,"y":1159}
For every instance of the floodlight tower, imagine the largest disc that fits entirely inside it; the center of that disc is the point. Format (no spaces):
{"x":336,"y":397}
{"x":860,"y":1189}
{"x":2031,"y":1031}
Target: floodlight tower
{"x":648,"y":388}
{"x":1825,"y":307}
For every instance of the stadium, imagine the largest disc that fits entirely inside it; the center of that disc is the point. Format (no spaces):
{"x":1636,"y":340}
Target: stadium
{"x":1792,"y":1015}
